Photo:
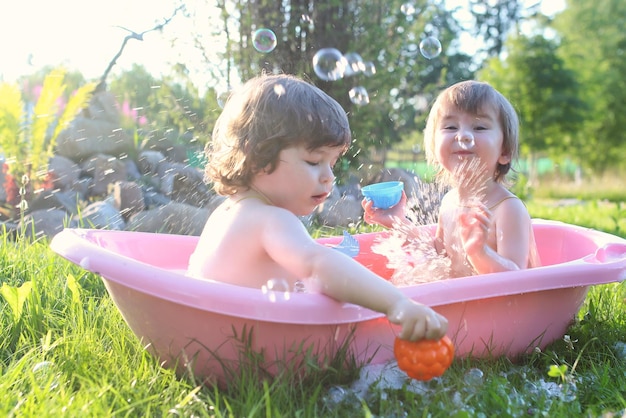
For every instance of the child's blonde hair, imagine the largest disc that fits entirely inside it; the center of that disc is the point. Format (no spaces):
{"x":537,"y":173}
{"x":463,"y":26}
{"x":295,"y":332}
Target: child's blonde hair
{"x":473,"y":97}
{"x":266,"y":115}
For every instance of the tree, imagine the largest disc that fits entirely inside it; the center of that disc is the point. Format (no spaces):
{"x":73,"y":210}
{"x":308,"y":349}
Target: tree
{"x":544,"y":92}
{"x":379,"y":31}
{"x":593,"y":43}
{"x":494,"y":21}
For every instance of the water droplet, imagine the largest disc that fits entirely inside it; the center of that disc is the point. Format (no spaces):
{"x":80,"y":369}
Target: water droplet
{"x":299,"y":287}
{"x":329,"y":64}
{"x":358,"y":96}
{"x":430,"y":47}
{"x":264,"y":40}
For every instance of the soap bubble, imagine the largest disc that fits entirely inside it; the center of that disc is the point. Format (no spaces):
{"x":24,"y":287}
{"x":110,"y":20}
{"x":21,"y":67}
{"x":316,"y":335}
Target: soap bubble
{"x":274,"y":287}
{"x":408,"y":8}
{"x":306,"y":20}
{"x":430,"y":47}
{"x":473,"y":377}
{"x":369,"y":68}
{"x":264,"y":40}
{"x":355,"y":63}
{"x":358,"y":96}
{"x":329,"y":64}
{"x":46,"y":374}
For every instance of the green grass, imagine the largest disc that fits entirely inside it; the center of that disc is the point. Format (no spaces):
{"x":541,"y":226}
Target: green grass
{"x":66,"y":351}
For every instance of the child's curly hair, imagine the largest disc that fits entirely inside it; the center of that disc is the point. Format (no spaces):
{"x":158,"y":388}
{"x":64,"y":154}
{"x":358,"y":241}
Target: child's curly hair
{"x":473,"y":96}
{"x":266,"y":115}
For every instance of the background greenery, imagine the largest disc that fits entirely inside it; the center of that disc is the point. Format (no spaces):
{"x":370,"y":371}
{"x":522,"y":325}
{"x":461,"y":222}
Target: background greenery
{"x":563,"y":74}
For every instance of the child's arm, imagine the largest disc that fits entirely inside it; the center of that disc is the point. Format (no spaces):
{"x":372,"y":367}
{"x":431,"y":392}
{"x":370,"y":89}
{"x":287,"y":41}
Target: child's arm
{"x":288,"y":243}
{"x":512,"y":230}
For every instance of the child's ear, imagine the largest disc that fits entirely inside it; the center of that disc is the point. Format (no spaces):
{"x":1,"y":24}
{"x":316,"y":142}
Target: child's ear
{"x":504,"y":159}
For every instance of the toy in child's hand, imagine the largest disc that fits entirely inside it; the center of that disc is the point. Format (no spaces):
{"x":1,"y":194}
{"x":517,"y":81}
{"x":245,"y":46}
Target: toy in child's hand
{"x":424,"y":359}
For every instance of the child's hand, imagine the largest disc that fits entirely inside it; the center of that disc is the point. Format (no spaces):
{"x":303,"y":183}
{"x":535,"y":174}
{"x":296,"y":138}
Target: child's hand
{"x":384,"y":217}
{"x":418,"y":321}
{"x":474,"y":227}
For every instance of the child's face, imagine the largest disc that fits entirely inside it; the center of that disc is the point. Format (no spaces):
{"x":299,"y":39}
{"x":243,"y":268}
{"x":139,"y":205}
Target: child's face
{"x":302,"y":180}
{"x":461,"y":137}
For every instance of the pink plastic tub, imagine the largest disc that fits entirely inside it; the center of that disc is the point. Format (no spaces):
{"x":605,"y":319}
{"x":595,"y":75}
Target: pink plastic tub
{"x":198,"y":324}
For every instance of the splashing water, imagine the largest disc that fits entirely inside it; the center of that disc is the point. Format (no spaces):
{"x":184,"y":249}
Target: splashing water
{"x":413,"y":256}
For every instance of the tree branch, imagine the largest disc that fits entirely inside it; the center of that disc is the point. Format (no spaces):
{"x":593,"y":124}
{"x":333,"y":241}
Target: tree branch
{"x":133,"y":35}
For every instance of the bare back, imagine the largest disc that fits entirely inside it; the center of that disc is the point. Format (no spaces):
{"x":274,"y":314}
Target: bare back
{"x":229,"y":249}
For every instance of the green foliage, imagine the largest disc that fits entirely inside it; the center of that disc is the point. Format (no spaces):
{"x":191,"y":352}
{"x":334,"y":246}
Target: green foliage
{"x":404,"y":83}
{"x":171,"y":104}
{"x":543,"y":91}
{"x":592,"y":44}
{"x":24,"y":135}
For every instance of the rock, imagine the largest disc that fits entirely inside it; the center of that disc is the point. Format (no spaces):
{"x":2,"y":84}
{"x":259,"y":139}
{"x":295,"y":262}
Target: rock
{"x":100,"y":215}
{"x":173,"y":218}
{"x":339,"y":210}
{"x":411,"y":181}
{"x":84,"y":138}
{"x":64,"y":172}
{"x":105,"y":170}
{"x":189,"y":187}
{"x":45,"y":223}
{"x":55,"y":199}
{"x":128,"y":198}
{"x":148,"y":161}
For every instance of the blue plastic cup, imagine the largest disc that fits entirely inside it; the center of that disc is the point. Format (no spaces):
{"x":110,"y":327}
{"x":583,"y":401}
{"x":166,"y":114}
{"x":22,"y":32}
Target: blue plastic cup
{"x":385,"y":194}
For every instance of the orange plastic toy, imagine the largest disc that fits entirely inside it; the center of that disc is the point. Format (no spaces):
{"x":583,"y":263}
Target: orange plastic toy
{"x":424,"y":359}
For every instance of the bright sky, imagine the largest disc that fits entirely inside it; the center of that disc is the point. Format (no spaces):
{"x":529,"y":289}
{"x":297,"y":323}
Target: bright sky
{"x":83,"y":35}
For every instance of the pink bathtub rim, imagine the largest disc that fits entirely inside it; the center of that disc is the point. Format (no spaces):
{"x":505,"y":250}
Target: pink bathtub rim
{"x":102,"y":252}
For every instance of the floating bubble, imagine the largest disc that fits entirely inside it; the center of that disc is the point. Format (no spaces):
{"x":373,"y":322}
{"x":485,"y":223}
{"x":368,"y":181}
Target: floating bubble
{"x":329,"y":64}
{"x":370,"y":68}
{"x":264,"y":40}
{"x":46,"y":375}
{"x":306,"y":20}
{"x":299,"y":287}
{"x":408,"y":8}
{"x":355,"y":63}
{"x":430,"y":47}
{"x":358,"y":96}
